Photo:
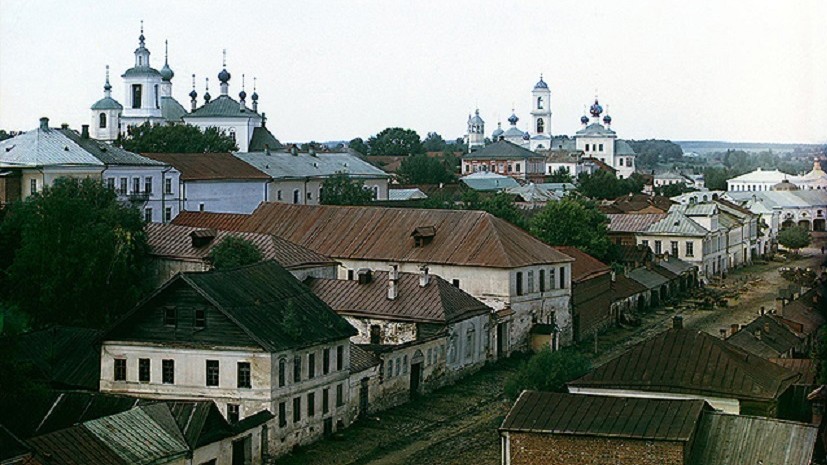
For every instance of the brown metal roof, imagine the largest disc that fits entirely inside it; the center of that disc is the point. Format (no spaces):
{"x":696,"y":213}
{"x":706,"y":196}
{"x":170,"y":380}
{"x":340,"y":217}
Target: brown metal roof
{"x":463,"y":237}
{"x":633,"y":222}
{"x":173,"y":241}
{"x":437,"y":302}
{"x":766,"y":337}
{"x":802,"y":316}
{"x":805,"y":366}
{"x":585,"y":266}
{"x":691,"y":362}
{"x":605,"y":416}
{"x":204,"y":220}
{"x":209,"y":166}
{"x":623,"y":287}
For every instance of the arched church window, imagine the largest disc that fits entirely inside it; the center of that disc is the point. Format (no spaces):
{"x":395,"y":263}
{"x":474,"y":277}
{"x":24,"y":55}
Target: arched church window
{"x":102,"y":120}
{"x":156,"y":97}
{"x":541,"y":125}
{"x":539,"y":103}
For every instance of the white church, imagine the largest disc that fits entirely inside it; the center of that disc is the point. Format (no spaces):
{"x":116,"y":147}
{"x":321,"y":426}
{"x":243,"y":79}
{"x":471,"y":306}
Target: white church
{"x":148,"y":98}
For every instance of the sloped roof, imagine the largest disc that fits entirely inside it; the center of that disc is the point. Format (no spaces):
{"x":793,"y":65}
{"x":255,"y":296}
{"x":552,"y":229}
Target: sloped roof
{"x":210,"y":166}
{"x":649,"y":278}
{"x":596,"y":129}
{"x":724,"y":439}
{"x":637,"y":222}
{"x":222,"y":106}
{"x":44,"y":147}
{"x":263,"y":139}
{"x":502,"y":150}
{"x":438,"y":302}
{"x":284,"y":165}
{"x":691,"y":362}
{"x":210,"y":220}
{"x":108,"y":153}
{"x":604,"y":416}
{"x":106,"y":103}
{"x":66,"y":356}
{"x":805,"y":366}
{"x":585,"y":266}
{"x":623,"y":148}
{"x":623,"y":287}
{"x":361,"y":359}
{"x":676,"y":265}
{"x":406,"y":194}
{"x":171,"y":110}
{"x":773,"y":343}
{"x":783,"y":199}
{"x":635,"y":203}
{"x":762,"y":176}
{"x":533,"y":193}
{"x":11,"y":447}
{"x":487,"y":181}
{"x":174,"y":241}
{"x":677,"y":224}
{"x":804,"y":313}
{"x":696,"y":209}
{"x":463,"y":237}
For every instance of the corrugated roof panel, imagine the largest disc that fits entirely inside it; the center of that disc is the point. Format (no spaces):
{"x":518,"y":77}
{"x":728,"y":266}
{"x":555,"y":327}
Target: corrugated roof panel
{"x":44,"y":147}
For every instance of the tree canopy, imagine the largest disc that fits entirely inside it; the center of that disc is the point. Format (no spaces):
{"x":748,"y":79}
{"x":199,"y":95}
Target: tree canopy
{"x":604,"y":185}
{"x":672,"y":190}
{"x":422,"y":169}
{"x":574,"y":222}
{"x":395,"y":141}
{"x":650,"y":152}
{"x":794,"y":237}
{"x":499,"y":204}
{"x":73,"y":255}
{"x":177,"y":138}
{"x":547,"y":371}
{"x":233,"y":252}
{"x":358,"y":145}
{"x":561,"y":174}
{"x":341,"y":189}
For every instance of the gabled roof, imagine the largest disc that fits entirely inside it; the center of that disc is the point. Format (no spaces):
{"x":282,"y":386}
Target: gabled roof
{"x":171,"y":110}
{"x":502,"y":150}
{"x":487,"y":181}
{"x":223,"y":106}
{"x":438,"y":302}
{"x":361,"y":359}
{"x":44,"y":147}
{"x":263,"y":139}
{"x":463,"y":237}
{"x":724,"y":439}
{"x":284,"y":165}
{"x":173,"y":241}
{"x":265,"y":301}
{"x":689,"y":362}
{"x":210,"y":166}
{"x":406,"y":194}
{"x":633,"y":223}
{"x":651,"y":279}
{"x":604,"y":416}
{"x":623,"y":287}
{"x":109,"y":154}
{"x":677,"y":224}
{"x":66,"y":356}
{"x":766,"y":337}
{"x":210,"y":220}
{"x":585,"y":266}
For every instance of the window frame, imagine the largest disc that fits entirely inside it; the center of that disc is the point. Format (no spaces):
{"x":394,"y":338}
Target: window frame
{"x":244,"y":375}
{"x":213,"y":373}
{"x":168,"y":371}
{"x":119,"y":368}
{"x":144,"y":370}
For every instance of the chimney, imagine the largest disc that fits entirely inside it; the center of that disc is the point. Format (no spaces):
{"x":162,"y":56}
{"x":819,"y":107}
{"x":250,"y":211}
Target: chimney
{"x":779,"y":306}
{"x":758,"y":334}
{"x":267,"y":149}
{"x":677,"y":322}
{"x":64,"y":125}
{"x":723,"y":333}
{"x":424,"y":277}
{"x":44,"y":123}
{"x":364,"y":275}
{"x":762,"y":310}
{"x":393,"y":288}
{"x":84,"y":131}
{"x":733,"y":328}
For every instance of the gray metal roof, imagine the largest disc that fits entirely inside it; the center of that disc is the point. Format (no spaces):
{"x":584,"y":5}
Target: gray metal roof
{"x":171,"y":110}
{"x":782,"y":199}
{"x":225,"y":107}
{"x":596,"y":129}
{"x":534,"y":193}
{"x":142,"y":435}
{"x":623,"y":148}
{"x":263,"y":139}
{"x":107,"y":103}
{"x":141,"y":71}
{"x":697,"y":209}
{"x":502,"y":150}
{"x":406,"y":194}
{"x":676,"y":265}
{"x":108,"y":153}
{"x":736,"y":439}
{"x":283,"y":165}
{"x":513,"y":132}
{"x":678,"y":224}
{"x":648,"y":278}
{"x":44,"y":147}
{"x":485,"y":181}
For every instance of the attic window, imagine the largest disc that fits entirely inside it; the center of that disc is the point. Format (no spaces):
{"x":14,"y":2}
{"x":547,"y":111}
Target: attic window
{"x":200,"y":318}
{"x":423,"y":235}
{"x":202,"y":237}
{"x":169,"y":316}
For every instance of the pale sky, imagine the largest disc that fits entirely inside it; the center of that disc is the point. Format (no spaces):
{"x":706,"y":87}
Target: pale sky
{"x":749,"y":70}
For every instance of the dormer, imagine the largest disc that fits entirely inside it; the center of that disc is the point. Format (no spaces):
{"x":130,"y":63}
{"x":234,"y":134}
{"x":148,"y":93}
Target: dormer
{"x":202,"y":237}
{"x":423,"y":235}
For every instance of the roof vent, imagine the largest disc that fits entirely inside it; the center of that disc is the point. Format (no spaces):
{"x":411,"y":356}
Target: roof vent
{"x":364,"y":275}
{"x":294,"y":151}
{"x":64,"y":126}
{"x":8,"y":149}
{"x":202,"y":237}
{"x":65,"y":148}
{"x":44,"y":123}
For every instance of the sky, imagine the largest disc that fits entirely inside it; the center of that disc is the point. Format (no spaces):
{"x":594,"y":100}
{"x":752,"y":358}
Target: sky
{"x":749,"y":70}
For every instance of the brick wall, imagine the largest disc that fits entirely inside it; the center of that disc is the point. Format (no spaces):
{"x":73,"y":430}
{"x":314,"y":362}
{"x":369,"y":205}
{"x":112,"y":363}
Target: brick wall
{"x":547,"y":449}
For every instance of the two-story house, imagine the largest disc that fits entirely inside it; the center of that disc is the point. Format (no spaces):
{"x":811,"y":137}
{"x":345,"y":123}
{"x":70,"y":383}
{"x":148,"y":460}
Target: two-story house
{"x":508,"y":159}
{"x":250,"y":339}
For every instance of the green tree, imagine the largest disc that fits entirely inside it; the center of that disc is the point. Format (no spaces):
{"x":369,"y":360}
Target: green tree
{"x":652,"y":151}
{"x":395,"y":141}
{"x":233,"y":252}
{"x":794,"y":238}
{"x":715,"y":178}
{"x":604,"y":185}
{"x":433,"y":143}
{"x":4,"y":134}
{"x":575,"y":222}
{"x":341,"y":189}
{"x":560,"y":175}
{"x":422,"y":169}
{"x":358,"y":145}
{"x":499,"y":204}
{"x":672,"y":190}
{"x":77,"y":255}
{"x":177,"y":138}
{"x":547,"y":371}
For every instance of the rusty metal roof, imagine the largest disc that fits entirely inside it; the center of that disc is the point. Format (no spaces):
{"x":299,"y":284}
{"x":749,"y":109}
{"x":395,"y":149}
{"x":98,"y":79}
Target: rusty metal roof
{"x":623,"y":287}
{"x":635,"y":222}
{"x":805,"y":366}
{"x":604,"y":416}
{"x":463,"y":237}
{"x":438,"y":302}
{"x":766,"y":337}
{"x":724,"y":439}
{"x":203,"y":220}
{"x":210,"y":166}
{"x":691,"y":362}
{"x":585,"y":266}
{"x":173,"y":241}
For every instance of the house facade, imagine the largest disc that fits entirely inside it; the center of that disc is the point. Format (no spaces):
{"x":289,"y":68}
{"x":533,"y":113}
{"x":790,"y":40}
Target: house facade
{"x":506,"y":158}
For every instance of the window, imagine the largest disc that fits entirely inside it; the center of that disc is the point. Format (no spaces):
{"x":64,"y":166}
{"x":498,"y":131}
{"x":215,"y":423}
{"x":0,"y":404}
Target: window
{"x":33,"y":186}
{"x":587,"y":147}
{"x":278,"y":194}
{"x":340,"y":395}
{"x":674,"y":246}
{"x":244,"y":380}
{"x":645,"y":243}
{"x":517,"y":167}
{"x":539,"y":103}
{"x":405,"y":364}
{"x":455,"y":282}
{"x":295,"y":196}
{"x":167,"y":185}
{"x":469,"y":342}
{"x":201,"y":206}
{"x":120,"y":369}
{"x":390,"y":369}
{"x":232,"y":413}
{"x":340,"y":358}
{"x":552,"y":281}
{"x":168,"y":214}
{"x":282,"y":372}
{"x":212,"y":372}
{"x":519,"y":283}
{"x":658,"y":247}
{"x":110,"y":183}
{"x":309,"y":195}
{"x":541,"y":126}
{"x":531,"y":282}
{"x":311,"y":404}
{"x":600,"y":147}
{"x":102,"y":121}
{"x":326,"y":361}
{"x":542,"y":280}
{"x":350,"y":275}
{"x":562,"y":277}
{"x":143,"y":370}
{"x":168,"y":371}
{"x":232,"y":134}
{"x":297,"y":369}
{"x":200,"y":318}
{"x":620,"y":161}
{"x":282,"y":414}
{"x":136,"y":96}
{"x":123,"y":186}
{"x":156,"y":97}
{"x":325,"y":401}
{"x":297,"y":409}
{"x":169,"y":316}
{"x":311,"y":366}
{"x":148,"y":215}
{"x":148,"y":184}
{"x":375,"y":334}
{"x":398,"y":367}
{"x":136,"y":185}
{"x":690,"y":249}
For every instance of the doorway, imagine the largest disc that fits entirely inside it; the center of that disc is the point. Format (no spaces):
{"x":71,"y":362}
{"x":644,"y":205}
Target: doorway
{"x":416,"y":374}
{"x":243,"y":451}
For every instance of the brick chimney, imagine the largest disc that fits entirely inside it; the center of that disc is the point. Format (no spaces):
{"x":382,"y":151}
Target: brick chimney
{"x":723,"y":333}
{"x":733,"y":328}
{"x":424,"y":277}
{"x":779,"y":306}
{"x":677,"y":322}
{"x":393,"y":278}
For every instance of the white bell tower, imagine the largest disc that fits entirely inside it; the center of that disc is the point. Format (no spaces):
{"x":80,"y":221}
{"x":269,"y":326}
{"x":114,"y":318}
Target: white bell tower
{"x":106,"y":115}
{"x":541,"y":109}
{"x":476,"y":132}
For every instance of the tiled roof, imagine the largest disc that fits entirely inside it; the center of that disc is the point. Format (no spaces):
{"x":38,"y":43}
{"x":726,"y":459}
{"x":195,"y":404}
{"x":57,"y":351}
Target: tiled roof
{"x":109,"y":153}
{"x":502,"y":150}
{"x":44,"y":147}
{"x":263,"y":139}
{"x":210,"y":220}
{"x":604,"y":416}
{"x":361,"y":359}
{"x":724,"y":439}
{"x":463,"y":237}
{"x":689,"y":362}
{"x":223,"y":106}
{"x":209,"y":166}
{"x":173,"y":241}
{"x":633,"y":222}
{"x":755,"y":339}
{"x":487,"y":181}
{"x":284,"y":165}
{"x":585,"y":266}
{"x":437,"y":302}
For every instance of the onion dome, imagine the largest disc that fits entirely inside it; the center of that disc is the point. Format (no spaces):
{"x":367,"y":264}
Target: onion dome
{"x":224,"y":76}
{"x":607,"y":119}
{"x":476,"y":119}
{"x":596,"y":109}
{"x":254,"y":96}
{"x":193,"y":94}
{"x":513,"y":119}
{"x":242,"y":95}
{"x":107,"y":87}
{"x":207,"y":96}
{"x":497,"y":132}
{"x":167,"y":73}
{"x":584,"y":119}
{"x":541,"y":84}
{"x":526,"y":136}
